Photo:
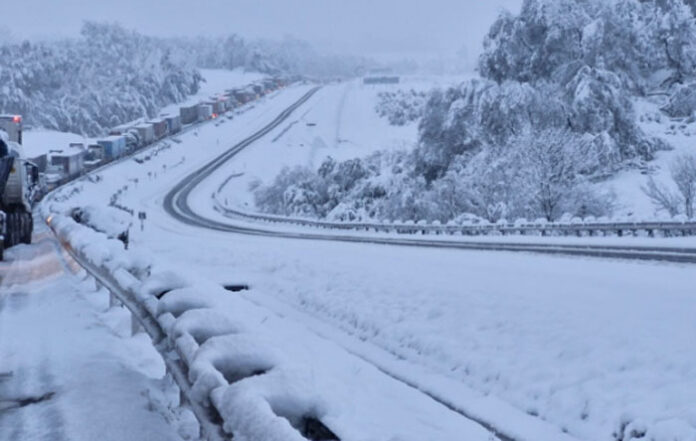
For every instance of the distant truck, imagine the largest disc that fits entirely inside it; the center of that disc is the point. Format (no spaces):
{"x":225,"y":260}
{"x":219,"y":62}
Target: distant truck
{"x":146,"y":133}
{"x":114,"y":146}
{"x":381,"y":80}
{"x":72,"y":163}
{"x":173,"y":123}
{"x":205,"y":112}
{"x":19,"y":186}
{"x":160,"y":128}
{"x":189,"y":114}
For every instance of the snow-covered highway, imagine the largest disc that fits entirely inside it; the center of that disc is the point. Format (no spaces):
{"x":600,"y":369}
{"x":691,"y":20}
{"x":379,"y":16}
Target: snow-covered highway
{"x":526,"y":343}
{"x":69,"y":369}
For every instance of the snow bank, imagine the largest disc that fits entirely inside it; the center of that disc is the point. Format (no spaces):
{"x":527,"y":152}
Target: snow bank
{"x":267,"y":377}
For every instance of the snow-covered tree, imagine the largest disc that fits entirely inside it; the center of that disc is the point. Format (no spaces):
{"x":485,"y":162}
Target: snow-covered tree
{"x":683,"y":200}
{"x":401,"y":107}
{"x":631,"y":38}
{"x":107,"y":77}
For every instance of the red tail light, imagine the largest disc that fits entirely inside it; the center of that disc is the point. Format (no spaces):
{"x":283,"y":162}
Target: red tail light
{"x":17,"y":119}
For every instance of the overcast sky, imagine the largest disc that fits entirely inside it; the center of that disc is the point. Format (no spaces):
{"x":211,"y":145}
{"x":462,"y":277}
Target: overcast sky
{"x":370,"y":27}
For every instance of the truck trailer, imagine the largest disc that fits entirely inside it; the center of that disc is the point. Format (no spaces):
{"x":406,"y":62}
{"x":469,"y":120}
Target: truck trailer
{"x":205,"y":112}
{"x":114,"y":146}
{"x":146,"y":133}
{"x":160,"y":128}
{"x":173,"y":123}
{"x":189,"y":114}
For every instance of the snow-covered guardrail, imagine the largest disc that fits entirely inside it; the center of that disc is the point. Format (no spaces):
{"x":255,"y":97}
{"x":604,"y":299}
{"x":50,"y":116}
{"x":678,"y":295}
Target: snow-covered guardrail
{"x":207,"y":353}
{"x":579,"y":229}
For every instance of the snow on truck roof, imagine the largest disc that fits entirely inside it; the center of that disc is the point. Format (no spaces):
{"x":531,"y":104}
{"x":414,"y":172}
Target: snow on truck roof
{"x":112,"y":138}
{"x":47,"y":142}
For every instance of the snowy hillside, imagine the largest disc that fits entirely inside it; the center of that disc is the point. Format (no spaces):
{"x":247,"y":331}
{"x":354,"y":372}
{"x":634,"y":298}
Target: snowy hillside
{"x":105,"y":78}
{"x":341,"y":122}
{"x":111,"y":75}
{"x":541,"y":135}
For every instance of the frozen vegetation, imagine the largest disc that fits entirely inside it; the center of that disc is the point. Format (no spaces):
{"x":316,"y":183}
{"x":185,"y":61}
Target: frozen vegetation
{"x":401,"y":107}
{"x":554,"y":113}
{"x":288,"y":56}
{"x":111,"y":75}
{"x":106,"y":77}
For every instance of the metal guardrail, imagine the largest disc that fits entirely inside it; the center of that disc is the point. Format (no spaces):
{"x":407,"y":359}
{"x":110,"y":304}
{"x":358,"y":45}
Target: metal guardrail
{"x":118,"y":283}
{"x":620,"y":229}
{"x":182,"y":352}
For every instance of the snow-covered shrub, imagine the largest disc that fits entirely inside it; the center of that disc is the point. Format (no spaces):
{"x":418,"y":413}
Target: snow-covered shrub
{"x":536,"y":174}
{"x":401,"y":107}
{"x":682,"y":103}
{"x":683,"y":200}
{"x":600,"y":107}
{"x":107,"y":220}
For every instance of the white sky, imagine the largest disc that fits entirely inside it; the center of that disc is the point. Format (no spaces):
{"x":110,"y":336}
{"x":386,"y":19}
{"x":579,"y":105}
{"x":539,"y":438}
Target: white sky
{"x":373,"y":27}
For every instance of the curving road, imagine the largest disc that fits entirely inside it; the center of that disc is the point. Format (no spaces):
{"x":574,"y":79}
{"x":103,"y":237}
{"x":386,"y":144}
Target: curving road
{"x":176,"y":203}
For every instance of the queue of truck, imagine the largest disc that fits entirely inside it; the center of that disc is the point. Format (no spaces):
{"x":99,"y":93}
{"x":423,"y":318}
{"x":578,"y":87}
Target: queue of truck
{"x":23,"y":181}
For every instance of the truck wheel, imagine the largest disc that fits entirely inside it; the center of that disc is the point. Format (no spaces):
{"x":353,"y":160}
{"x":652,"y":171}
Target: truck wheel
{"x":28,"y":228}
{"x":2,"y":251}
{"x":16,"y":228}
{"x":9,"y":230}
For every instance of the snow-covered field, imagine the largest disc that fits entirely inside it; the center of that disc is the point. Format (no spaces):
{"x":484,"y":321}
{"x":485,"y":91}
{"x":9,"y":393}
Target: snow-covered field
{"x":340,"y":121}
{"x":591,"y":347}
{"x":69,"y":369}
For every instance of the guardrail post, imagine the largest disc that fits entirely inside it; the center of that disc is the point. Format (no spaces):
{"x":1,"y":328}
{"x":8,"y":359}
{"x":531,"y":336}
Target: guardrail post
{"x":136,"y":328}
{"x":113,"y":300}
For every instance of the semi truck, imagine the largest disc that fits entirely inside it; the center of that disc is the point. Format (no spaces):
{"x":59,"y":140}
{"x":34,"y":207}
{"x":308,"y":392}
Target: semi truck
{"x":19,"y":186}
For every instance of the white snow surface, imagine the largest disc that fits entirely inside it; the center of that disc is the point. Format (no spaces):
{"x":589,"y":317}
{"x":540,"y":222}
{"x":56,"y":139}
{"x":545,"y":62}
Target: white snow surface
{"x":264,"y":373}
{"x":60,"y":340}
{"x":680,"y":134}
{"x":38,"y":142}
{"x":536,"y":344}
{"x":341,"y":122}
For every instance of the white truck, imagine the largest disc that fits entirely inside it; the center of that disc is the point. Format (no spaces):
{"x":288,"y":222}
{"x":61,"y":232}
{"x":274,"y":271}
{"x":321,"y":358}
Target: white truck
{"x":19,"y":186}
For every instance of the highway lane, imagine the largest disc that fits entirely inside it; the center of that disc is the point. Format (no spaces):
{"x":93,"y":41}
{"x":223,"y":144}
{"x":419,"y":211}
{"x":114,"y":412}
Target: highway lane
{"x":176,"y":204}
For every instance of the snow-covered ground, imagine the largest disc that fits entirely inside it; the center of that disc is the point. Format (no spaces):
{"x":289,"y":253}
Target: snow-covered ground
{"x":69,"y":369}
{"x":340,"y":121}
{"x":680,"y":134}
{"x":589,"y":346}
